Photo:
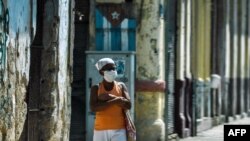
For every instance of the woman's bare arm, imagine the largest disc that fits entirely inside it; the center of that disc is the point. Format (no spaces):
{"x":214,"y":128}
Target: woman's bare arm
{"x":126,"y":102}
{"x":97,"y":104}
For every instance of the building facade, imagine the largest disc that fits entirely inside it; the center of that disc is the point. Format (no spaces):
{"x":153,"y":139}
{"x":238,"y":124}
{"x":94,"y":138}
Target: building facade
{"x":190,"y":65}
{"x":36,"y":68}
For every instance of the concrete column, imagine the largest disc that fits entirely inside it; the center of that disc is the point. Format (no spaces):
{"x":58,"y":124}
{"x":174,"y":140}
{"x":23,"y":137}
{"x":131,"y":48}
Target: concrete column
{"x":248,"y":56}
{"x":242,"y":57}
{"x":56,"y":71}
{"x":180,"y":120}
{"x":150,"y":84}
{"x":188,"y":74}
{"x":225,"y":81}
{"x":202,"y":55}
{"x":238,"y":68}
{"x":233,"y":58}
{"x":207,"y":57}
{"x":199,"y":56}
{"x":201,"y":66}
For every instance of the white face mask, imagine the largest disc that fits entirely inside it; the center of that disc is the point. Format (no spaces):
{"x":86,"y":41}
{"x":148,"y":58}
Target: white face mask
{"x":110,"y":75}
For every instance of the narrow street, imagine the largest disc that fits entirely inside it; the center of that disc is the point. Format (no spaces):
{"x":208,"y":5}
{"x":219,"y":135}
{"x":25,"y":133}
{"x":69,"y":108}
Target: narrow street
{"x":216,"y":133}
{"x":185,"y":65}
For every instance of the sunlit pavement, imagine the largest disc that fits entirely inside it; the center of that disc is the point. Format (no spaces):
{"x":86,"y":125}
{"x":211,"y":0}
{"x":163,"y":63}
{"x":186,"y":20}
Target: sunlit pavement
{"x":216,"y":133}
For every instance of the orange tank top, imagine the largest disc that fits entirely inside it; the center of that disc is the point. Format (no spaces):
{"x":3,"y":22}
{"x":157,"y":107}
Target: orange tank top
{"x":112,"y":117}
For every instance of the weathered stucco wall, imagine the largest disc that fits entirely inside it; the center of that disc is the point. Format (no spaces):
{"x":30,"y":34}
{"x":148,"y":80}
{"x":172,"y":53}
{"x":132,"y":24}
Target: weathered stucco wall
{"x":56,"y":71}
{"x":149,"y":113}
{"x":15,"y":67}
{"x":56,"y":68}
{"x":150,"y":84}
{"x":149,"y":45}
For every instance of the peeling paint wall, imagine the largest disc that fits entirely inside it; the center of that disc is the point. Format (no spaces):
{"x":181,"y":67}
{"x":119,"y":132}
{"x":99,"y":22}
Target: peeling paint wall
{"x":15,"y":74}
{"x":149,"y":45}
{"x":150,"y":54}
{"x":56,"y":70}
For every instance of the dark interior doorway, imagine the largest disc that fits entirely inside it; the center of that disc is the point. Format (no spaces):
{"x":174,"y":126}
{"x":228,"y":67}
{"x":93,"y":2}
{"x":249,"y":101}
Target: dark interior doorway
{"x":31,"y":130}
{"x":78,"y":101}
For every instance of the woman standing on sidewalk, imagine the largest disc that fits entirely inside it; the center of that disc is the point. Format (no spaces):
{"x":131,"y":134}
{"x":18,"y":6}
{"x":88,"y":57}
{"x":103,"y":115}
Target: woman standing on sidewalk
{"x":108,"y":100}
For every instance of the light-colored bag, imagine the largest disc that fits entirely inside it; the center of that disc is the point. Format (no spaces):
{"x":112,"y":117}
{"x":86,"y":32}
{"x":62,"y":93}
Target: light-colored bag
{"x":130,"y":127}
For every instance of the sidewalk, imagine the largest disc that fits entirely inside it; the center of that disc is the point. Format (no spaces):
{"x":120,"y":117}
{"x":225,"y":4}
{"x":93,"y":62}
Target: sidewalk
{"x":215,"y":133}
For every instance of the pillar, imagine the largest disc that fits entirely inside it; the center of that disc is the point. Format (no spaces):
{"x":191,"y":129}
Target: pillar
{"x":150,"y":84}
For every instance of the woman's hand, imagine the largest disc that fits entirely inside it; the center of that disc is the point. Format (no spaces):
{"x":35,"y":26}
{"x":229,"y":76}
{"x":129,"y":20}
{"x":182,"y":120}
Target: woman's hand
{"x":106,"y":97}
{"x":122,"y":102}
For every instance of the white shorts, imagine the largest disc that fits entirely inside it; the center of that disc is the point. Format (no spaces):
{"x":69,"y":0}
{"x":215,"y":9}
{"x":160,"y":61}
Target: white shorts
{"x":110,"y":135}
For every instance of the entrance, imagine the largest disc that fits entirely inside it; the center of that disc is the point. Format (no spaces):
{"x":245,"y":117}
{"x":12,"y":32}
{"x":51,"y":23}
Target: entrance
{"x":78,"y":99}
{"x":33,"y":95}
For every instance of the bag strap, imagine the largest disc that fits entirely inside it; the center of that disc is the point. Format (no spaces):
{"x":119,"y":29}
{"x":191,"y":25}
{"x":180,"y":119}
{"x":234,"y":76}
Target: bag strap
{"x":121,"y":87}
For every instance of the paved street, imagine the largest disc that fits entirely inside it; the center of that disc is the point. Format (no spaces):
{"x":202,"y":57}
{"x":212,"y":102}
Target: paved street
{"x":216,"y":133}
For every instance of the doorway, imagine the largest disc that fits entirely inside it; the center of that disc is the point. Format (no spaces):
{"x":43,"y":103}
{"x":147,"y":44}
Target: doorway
{"x":33,"y":92}
{"x":78,"y":98}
